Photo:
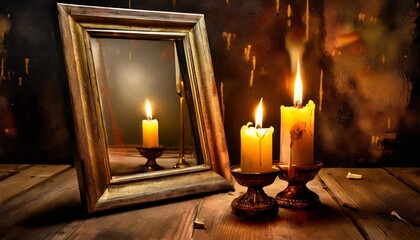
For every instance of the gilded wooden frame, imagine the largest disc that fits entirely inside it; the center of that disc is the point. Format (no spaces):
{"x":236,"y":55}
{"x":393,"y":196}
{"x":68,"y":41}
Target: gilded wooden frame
{"x":97,"y":188}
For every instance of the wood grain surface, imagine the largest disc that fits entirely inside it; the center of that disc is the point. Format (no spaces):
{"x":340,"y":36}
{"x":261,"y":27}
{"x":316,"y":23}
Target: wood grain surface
{"x":348,"y":209}
{"x":370,"y":201}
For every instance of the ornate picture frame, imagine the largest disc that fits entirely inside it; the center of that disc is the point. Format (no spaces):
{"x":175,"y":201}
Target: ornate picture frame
{"x":99,"y":190}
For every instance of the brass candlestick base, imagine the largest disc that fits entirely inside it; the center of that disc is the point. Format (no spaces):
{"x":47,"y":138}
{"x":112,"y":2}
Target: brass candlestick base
{"x":181,"y":163}
{"x":151,"y":154}
{"x":296,"y":194}
{"x":255,"y":201}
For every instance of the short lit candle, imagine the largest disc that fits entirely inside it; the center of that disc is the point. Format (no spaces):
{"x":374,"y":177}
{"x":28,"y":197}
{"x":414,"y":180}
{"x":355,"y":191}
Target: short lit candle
{"x":256,"y":145}
{"x":150,"y":129}
{"x":297,"y":129}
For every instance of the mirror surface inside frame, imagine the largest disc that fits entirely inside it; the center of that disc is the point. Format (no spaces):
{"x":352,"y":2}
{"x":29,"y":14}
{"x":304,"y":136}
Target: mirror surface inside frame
{"x":129,"y":73}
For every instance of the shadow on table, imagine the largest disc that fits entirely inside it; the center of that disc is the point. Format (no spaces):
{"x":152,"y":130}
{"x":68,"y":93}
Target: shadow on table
{"x":54,"y":214}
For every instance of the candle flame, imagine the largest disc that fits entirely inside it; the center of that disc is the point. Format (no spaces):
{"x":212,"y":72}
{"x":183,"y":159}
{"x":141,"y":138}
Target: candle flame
{"x":297,"y":100}
{"x":148,"y":110}
{"x":258,"y":115}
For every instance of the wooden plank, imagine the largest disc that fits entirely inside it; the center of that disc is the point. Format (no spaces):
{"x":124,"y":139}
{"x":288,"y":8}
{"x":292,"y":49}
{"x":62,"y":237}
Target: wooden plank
{"x":7,"y":170}
{"x":168,"y":221}
{"x":53,"y":211}
{"x":4,"y":175}
{"x":43,"y":209}
{"x":13,"y":167}
{"x":27,"y":179}
{"x":410,"y":176}
{"x":325,"y":221}
{"x":370,"y":201}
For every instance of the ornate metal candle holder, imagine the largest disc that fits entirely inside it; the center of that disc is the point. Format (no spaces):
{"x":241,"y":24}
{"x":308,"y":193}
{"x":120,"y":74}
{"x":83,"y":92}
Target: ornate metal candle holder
{"x":151,"y":153}
{"x":296,"y":194}
{"x":255,"y":201}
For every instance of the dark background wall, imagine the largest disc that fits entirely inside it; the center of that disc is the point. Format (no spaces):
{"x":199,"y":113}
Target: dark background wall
{"x":360,"y":66}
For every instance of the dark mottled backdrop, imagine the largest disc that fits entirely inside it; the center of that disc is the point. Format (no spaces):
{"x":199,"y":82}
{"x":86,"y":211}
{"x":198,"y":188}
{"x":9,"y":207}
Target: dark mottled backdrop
{"x":360,"y":64}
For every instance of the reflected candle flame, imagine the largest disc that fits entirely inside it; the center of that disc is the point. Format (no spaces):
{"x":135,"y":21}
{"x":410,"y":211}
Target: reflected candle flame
{"x":148,"y":110}
{"x":258,"y":115}
{"x":297,"y":100}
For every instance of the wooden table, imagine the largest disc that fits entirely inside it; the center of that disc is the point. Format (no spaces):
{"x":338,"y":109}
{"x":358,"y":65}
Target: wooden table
{"x":350,"y":209}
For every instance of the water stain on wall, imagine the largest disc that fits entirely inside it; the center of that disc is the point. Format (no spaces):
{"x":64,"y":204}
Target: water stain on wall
{"x":367,"y":46}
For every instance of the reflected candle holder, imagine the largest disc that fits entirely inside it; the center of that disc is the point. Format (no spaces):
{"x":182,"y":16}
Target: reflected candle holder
{"x":255,"y":201}
{"x":297,"y":194}
{"x":151,"y":153}
{"x":181,"y":160}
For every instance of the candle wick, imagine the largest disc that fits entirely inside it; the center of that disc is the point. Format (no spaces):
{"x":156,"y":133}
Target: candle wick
{"x":260,"y":154}
{"x":298,"y":104}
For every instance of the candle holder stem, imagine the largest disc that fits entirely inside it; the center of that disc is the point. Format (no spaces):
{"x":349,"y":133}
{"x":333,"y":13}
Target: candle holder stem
{"x":181,"y":160}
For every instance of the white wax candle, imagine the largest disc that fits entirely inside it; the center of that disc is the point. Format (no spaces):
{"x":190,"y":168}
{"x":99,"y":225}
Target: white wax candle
{"x":150,"y":129}
{"x":256,"y":146}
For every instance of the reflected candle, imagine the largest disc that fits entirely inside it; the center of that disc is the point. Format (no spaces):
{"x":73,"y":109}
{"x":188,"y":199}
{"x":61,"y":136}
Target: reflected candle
{"x":256,"y":146}
{"x":297,"y":129}
{"x":150,"y":129}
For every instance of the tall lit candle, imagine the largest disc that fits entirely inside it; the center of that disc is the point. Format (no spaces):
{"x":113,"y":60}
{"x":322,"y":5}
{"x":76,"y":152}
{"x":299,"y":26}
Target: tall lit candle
{"x":256,"y":145}
{"x":150,"y":129}
{"x":297,"y":129}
